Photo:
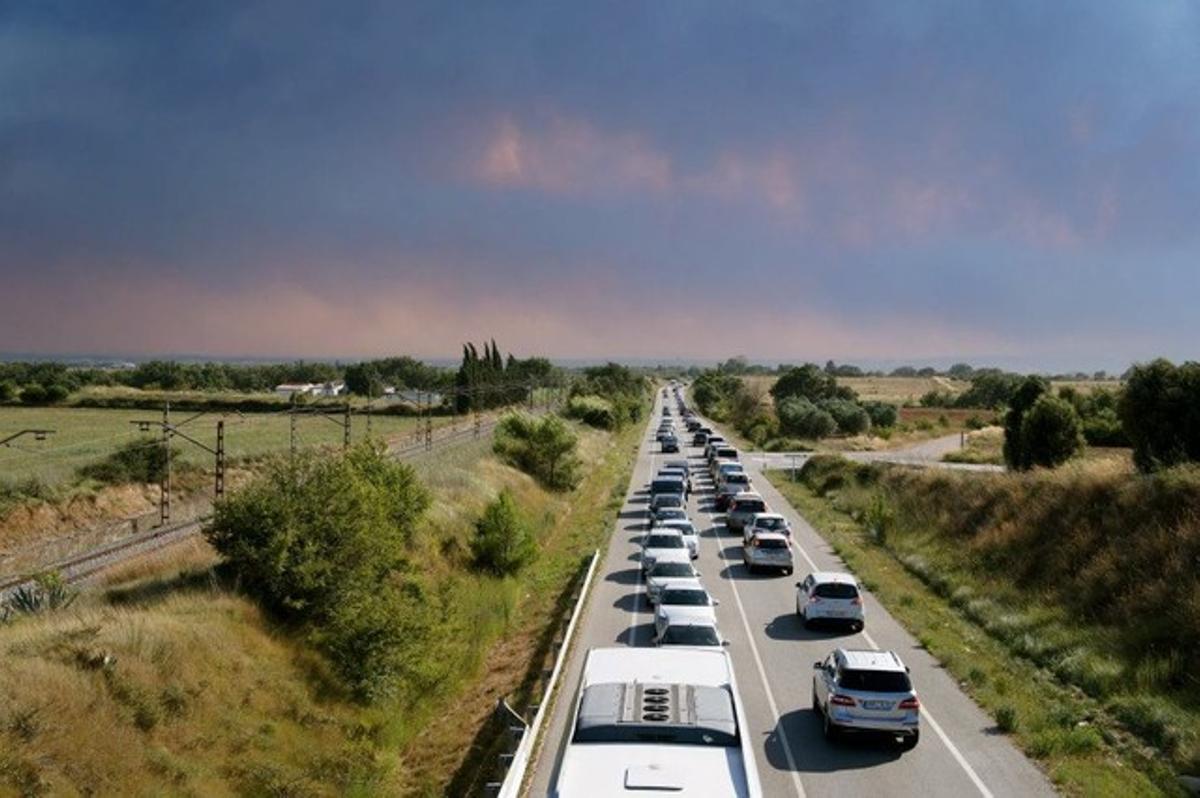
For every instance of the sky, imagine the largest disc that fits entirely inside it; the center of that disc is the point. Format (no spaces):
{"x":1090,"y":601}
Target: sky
{"x":1013,"y":183}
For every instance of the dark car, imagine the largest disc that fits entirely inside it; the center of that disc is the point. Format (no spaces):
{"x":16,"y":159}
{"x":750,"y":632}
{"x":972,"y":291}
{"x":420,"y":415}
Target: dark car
{"x":670,"y":445}
{"x":666,"y":485}
{"x":699,"y":438}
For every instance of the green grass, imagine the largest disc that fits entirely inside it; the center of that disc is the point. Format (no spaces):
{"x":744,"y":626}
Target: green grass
{"x":85,"y":435}
{"x":1047,"y":678}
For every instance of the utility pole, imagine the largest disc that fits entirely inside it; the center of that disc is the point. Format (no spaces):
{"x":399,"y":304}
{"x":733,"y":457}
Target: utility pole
{"x":164,"y":505}
{"x":292,"y":432}
{"x":220,"y":472}
{"x":346,"y":428}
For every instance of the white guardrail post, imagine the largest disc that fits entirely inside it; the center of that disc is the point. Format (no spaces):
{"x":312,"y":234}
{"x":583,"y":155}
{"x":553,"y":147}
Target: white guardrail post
{"x":515,"y":777}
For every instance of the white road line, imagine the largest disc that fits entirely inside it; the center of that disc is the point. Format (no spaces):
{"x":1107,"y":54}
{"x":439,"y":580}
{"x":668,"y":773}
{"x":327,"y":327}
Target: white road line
{"x":762,"y":675}
{"x":937,"y":728}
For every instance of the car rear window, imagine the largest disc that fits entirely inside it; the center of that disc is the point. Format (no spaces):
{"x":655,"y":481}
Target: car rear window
{"x":690,"y":635}
{"x":737,"y":478}
{"x":875,"y":681}
{"x":770,"y":523}
{"x":770,"y":543}
{"x":664,"y":542}
{"x":674,"y":485}
{"x":728,"y":452}
{"x":836,"y":590}
{"x":671,"y":569}
{"x":690,"y":597}
{"x":668,"y":500}
{"x":749,"y":506}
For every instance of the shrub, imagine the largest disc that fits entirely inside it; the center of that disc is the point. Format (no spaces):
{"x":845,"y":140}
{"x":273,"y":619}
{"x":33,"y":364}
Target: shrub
{"x":882,"y":414}
{"x":310,"y":529}
{"x":8,"y":390}
{"x":544,"y":448}
{"x":48,"y":592}
{"x":503,"y":543}
{"x":138,"y":461}
{"x":1050,"y":433}
{"x":1104,"y":429}
{"x":34,"y":394}
{"x":1006,"y":718}
{"x":592,"y":410}
{"x":851,"y":419}
{"x":1021,"y":400}
{"x":802,"y":418}
{"x":1160,"y":412}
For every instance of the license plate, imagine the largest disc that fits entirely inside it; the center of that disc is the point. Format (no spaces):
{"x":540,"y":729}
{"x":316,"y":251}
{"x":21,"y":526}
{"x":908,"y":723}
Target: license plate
{"x":877,"y":704}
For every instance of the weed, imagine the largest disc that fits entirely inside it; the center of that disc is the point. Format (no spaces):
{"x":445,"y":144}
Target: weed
{"x":1006,"y":718}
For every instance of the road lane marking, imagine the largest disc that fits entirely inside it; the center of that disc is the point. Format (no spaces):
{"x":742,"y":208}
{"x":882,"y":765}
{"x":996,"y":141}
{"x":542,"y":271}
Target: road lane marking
{"x":937,"y":727}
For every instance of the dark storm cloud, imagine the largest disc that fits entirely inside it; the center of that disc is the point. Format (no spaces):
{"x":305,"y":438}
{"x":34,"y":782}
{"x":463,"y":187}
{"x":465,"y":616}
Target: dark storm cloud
{"x":1016,"y":179}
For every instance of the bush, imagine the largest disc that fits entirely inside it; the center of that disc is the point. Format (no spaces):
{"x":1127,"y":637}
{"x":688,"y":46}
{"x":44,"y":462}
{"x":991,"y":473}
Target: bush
{"x":1104,"y":429}
{"x":503,"y":543}
{"x":592,"y":410}
{"x":1160,"y":412}
{"x":811,"y":383}
{"x":1050,"y":433}
{"x":8,"y":391}
{"x":34,"y":394}
{"x":851,"y":419}
{"x":138,"y":461}
{"x":801,"y":418}
{"x":881,"y":414}
{"x":1021,"y":400}
{"x":544,"y":448}
{"x":310,"y":529}
{"x":1006,"y":718}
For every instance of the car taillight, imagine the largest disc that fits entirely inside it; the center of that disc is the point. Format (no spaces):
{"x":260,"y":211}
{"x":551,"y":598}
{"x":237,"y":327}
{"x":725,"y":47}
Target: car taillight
{"x":909,"y":703}
{"x":857,"y":601}
{"x":841,"y":700}
{"x":814,"y":599}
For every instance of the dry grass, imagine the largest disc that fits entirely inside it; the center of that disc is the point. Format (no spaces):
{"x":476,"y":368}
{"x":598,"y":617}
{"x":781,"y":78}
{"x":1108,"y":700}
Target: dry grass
{"x":896,"y":390}
{"x":982,"y":446}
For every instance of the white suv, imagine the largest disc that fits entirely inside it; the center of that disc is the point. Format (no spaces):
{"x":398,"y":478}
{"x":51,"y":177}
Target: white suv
{"x":866,"y":691}
{"x":691,"y":537}
{"x":670,"y":568}
{"x":830,"y":596}
{"x":657,"y":721}
{"x":655,"y":543}
{"x":767,"y":550}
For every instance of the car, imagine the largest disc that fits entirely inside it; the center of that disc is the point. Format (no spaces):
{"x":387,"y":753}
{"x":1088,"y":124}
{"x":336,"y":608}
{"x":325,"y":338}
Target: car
{"x":768,"y":550}
{"x":663,"y":501}
{"x":767,"y":522}
{"x":670,"y":472}
{"x":670,"y":568}
{"x":714,"y":442}
{"x":662,"y":434}
{"x":690,"y":602}
{"x":727,"y":467}
{"x":681,"y":625}
{"x":666,"y":483}
{"x":634,"y":730}
{"x":670,"y":444}
{"x":690,"y":536}
{"x":829,"y":596}
{"x":866,"y":691}
{"x":678,"y":465}
{"x":720,"y":453}
{"x":667,"y":514}
{"x":742,"y":508}
{"x":666,"y":411}
{"x":699,"y":438}
{"x":655,"y":543}
{"x":692,"y":424}
{"x":731,"y":485}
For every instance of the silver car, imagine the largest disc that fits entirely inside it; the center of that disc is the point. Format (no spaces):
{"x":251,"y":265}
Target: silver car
{"x":768,"y":551}
{"x":866,"y":691}
{"x":829,"y":596}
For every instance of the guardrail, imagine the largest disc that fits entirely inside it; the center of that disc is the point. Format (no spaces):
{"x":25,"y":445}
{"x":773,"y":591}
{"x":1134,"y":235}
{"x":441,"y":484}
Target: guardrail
{"x":523,"y":735}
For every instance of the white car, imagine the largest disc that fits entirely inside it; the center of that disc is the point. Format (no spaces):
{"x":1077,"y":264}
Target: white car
{"x":766,"y":522}
{"x":830,"y":596}
{"x":658,"y":721}
{"x":687,"y":601}
{"x":768,"y":550}
{"x":685,"y":626}
{"x":655,"y":543}
{"x":866,"y":691}
{"x":670,"y":568}
{"x":691,"y":537}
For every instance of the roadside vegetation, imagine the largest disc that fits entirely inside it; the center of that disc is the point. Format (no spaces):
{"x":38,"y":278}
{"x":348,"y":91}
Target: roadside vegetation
{"x":1067,"y":602}
{"x":338,"y":647}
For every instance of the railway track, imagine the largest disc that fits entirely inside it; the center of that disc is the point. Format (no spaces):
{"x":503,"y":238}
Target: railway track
{"x":79,"y":567}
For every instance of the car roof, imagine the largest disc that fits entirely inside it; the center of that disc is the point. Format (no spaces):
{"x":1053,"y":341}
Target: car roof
{"x":676,"y":523}
{"x":830,"y":577}
{"x":686,"y":583}
{"x":770,"y":536}
{"x":748,"y":494}
{"x":869,"y":660}
{"x":687,"y":615}
{"x":674,"y":555}
{"x":664,"y":531}
{"x":765,"y":516}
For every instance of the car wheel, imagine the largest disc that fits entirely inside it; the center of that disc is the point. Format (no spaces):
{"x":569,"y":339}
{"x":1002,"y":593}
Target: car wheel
{"x":787,"y":571}
{"x":910,"y":742}
{"x":858,"y":626}
{"x":829,"y":727}
{"x":816,"y":704}
{"x":799,"y":612}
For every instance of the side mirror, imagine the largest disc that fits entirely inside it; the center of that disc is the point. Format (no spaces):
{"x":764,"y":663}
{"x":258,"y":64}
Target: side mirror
{"x":799,"y":584}
{"x":818,"y":665}
{"x":716,"y":602}
{"x":725,"y":643}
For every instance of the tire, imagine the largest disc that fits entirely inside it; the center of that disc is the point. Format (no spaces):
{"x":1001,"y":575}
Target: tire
{"x":816,"y":705}
{"x":910,"y":742}
{"x":787,"y":571}
{"x":829,"y":728}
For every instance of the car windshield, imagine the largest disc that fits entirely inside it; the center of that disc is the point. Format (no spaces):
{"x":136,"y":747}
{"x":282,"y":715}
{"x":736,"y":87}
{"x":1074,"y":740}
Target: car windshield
{"x":770,"y":543}
{"x":664,"y":542}
{"x":737,"y":478}
{"x":671,"y":569}
{"x":731,"y":453}
{"x":770,"y":523}
{"x":690,"y":636}
{"x":836,"y":590}
{"x":749,"y":506}
{"x":688,"y":597}
{"x":672,"y":514}
{"x":875,"y":681}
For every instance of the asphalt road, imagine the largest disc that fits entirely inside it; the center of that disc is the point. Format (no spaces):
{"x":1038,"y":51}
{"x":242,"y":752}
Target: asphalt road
{"x":960,"y":753}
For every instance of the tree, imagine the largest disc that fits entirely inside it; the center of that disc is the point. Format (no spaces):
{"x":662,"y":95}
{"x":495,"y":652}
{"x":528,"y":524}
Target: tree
{"x":850,"y":417}
{"x":503,"y":543}
{"x":1160,"y":413}
{"x":33,"y":394}
{"x":811,"y":383}
{"x":543,"y":447}
{"x":8,"y":390}
{"x":882,"y":414}
{"x":1051,"y":433}
{"x":960,"y":371}
{"x":1023,"y":398}
{"x":800,"y":417}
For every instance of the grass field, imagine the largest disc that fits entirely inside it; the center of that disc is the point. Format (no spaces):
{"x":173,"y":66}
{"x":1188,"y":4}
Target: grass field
{"x":85,"y":435}
{"x":1018,"y":584}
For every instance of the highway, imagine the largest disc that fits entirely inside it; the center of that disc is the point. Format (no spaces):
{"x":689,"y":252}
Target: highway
{"x":960,"y":754}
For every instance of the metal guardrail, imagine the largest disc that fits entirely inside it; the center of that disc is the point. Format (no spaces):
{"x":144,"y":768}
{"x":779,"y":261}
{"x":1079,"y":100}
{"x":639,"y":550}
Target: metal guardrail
{"x":524,"y":735}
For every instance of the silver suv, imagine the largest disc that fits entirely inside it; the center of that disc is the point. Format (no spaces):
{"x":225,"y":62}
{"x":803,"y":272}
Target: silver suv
{"x":866,"y":691}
